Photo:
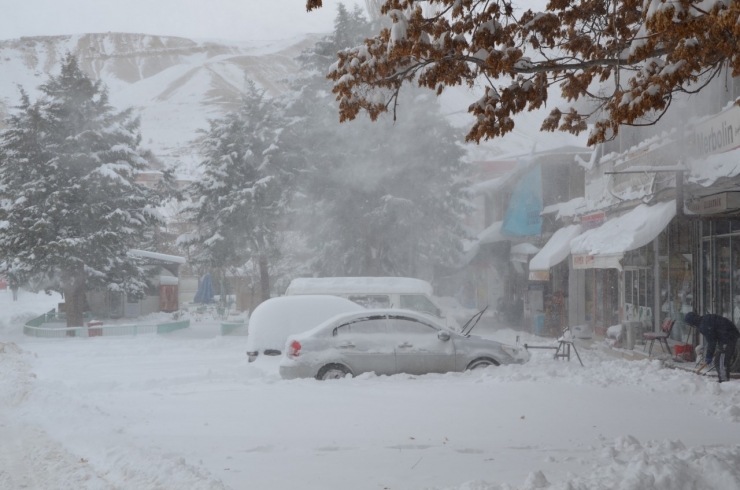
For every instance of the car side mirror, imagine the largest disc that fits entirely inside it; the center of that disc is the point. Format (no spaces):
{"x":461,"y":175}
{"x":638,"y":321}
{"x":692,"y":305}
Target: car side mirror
{"x":442,"y":335}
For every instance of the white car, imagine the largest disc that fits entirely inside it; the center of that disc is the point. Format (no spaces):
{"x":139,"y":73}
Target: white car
{"x":275,"y":319}
{"x":378,"y":292}
{"x":389,"y":341}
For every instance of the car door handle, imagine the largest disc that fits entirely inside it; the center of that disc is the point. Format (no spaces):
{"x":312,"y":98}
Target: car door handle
{"x":346,"y":345}
{"x":405,"y":345}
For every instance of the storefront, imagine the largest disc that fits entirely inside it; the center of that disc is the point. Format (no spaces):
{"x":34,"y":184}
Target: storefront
{"x":625,"y":271}
{"x":720,"y":262}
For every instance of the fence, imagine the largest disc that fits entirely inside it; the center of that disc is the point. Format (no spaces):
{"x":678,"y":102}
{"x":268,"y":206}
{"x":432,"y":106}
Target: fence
{"x":33,"y":328}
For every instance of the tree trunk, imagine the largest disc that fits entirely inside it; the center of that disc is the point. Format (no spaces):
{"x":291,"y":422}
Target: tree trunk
{"x":264,"y":278}
{"x":74,"y":297}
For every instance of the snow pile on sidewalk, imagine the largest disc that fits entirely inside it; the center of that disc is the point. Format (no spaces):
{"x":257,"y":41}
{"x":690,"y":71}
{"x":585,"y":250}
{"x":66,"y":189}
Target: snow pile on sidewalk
{"x":627,"y":464}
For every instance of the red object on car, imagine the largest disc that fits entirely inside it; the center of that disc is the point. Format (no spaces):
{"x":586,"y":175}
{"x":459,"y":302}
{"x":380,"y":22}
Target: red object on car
{"x":295,"y":349}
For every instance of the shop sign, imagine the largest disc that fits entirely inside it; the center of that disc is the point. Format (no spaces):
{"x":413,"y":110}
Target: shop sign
{"x":718,"y":134}
{"x":583,"y":261}
{"x":539,"y":276}
{"x":716,"y":203}
{"x":591,"y":221}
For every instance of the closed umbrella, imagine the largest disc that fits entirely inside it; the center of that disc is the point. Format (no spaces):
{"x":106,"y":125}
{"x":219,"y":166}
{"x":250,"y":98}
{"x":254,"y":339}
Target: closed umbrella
{"x":205,"y":291}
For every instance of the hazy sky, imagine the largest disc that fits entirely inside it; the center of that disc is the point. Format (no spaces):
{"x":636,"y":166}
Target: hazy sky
{"x":221,"y":19}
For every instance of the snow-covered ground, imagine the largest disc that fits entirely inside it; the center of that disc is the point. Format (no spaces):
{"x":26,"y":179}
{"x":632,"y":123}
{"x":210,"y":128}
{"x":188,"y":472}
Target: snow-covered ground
{"x":186,"y":410}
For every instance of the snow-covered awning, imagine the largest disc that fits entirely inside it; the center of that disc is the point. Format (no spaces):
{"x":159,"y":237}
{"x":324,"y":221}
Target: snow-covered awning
{"x":156,"y":256}
{"x":707,"y":171}
{"x":492,"y":234}
{"x":521,"y":252}
{"x":555,"y":250}
{"x":628,"y":232}
{"x":494,"y":185}
{"x":564,"y":209}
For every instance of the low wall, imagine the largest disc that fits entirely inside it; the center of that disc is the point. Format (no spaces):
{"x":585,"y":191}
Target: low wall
{"x":34,"y":328}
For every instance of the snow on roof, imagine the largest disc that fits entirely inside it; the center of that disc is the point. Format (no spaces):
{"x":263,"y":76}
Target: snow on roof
{"x":707,"y":171}
{"x":357,"y":314}
{"x":493,"y":185}
{"x":168,"y":280}
{"x":564,"y":209}
{"x":633,"y":230}
{"x":492,"y":234}
{"x":524,"y":249}
{"x":157,"y":256}
{"x":556,"y":249}
{"x":358,"y":285}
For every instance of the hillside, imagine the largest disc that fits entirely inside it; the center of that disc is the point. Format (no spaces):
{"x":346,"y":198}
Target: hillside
{"x":174,"y":84}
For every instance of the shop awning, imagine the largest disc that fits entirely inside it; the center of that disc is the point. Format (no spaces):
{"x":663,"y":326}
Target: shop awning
{"x":555,"y":251}
{"x":628,"y":232}
{"x":492,"y":234}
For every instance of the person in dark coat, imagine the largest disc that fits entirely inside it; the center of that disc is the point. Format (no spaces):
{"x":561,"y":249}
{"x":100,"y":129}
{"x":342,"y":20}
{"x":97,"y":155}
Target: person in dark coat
{"x":721,"y":336}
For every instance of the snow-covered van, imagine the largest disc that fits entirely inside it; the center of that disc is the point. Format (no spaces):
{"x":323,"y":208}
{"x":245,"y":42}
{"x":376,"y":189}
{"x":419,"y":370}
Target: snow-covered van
{"x":377,"y":292}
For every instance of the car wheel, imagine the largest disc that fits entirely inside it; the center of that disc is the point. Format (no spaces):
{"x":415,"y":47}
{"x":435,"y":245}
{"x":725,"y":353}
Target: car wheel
{"x":332,"y":371}
{"x":481,"y":363}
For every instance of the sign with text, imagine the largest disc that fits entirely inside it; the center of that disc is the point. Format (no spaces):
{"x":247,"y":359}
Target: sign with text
{"x":539,"y":275}
{"x":591,"y":221}
{"x":716,"y":203}
{"x":718,"y":134}
{"x":583,"y":261}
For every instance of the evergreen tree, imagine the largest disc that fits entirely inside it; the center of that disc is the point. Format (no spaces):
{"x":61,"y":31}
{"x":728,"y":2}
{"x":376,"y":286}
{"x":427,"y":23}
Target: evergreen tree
{"x":242,"y":196}
{"x":70,"y":207}
{"x":379,"y":198}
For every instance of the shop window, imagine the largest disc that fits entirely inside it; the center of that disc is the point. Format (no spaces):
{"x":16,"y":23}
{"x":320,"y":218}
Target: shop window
{"x":721,"y":227}
{"x":604,"y":299}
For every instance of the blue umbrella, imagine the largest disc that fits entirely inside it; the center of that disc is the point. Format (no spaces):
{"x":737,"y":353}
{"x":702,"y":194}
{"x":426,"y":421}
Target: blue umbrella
{"x":205,"y":291}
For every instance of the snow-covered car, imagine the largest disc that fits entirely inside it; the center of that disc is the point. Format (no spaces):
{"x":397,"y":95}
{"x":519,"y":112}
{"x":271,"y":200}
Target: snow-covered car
{"x":389,"y":341}
{"x":275,"y":319}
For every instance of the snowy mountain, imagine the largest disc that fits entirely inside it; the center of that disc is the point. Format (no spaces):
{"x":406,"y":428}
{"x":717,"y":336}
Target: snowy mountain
{"x":176,"y":84}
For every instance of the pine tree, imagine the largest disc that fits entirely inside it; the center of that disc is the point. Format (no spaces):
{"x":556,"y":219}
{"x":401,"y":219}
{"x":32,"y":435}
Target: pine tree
{"x":378,"y":198}
{"x":243,"y":194}
{"x":70,"y":207}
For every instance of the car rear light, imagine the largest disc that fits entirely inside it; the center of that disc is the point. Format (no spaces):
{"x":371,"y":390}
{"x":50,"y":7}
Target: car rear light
{"x":295,"y":349}
{"x":252,"y":355}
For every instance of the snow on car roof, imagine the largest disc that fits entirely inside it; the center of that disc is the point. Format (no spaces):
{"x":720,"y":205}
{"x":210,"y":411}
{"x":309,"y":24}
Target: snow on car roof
{"x":358,"y":285}
{"x":368,"y":313}
{"x":275,"y":319}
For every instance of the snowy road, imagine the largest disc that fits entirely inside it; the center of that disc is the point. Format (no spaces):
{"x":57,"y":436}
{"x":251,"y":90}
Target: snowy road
{"x":188,"y":411}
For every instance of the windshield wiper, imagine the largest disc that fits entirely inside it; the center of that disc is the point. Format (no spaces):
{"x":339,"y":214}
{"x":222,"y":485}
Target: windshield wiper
{"x":475,"y":319}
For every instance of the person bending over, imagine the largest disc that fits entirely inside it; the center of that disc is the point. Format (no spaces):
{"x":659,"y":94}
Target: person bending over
{"x":721,"y":336}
